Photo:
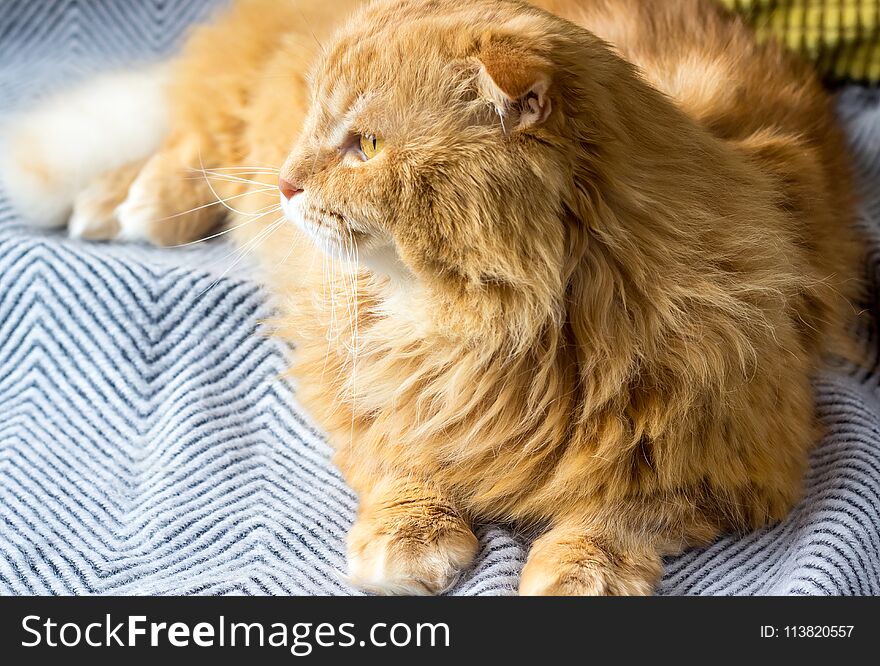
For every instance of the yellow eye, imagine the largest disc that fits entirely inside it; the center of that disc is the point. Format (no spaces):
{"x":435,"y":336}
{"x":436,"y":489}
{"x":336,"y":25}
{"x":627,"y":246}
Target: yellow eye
{"x":371,"y":146}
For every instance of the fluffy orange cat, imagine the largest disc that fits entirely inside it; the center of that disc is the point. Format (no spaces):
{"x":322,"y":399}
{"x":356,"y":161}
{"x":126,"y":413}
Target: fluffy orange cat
{"x":569,"y":266}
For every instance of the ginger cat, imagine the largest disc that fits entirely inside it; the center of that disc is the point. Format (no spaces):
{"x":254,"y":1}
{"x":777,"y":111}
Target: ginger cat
{"x":569,"y":266}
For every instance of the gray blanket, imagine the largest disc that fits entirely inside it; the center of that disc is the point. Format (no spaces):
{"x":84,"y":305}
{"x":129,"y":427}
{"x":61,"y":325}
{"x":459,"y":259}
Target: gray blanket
{"x":148,"y":445}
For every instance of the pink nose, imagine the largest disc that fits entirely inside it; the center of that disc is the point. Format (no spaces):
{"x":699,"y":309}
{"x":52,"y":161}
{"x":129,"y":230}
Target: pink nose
{"x":288,"y":189}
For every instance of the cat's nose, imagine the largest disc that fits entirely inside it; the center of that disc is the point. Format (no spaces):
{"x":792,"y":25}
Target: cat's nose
{"x":288,"y":189}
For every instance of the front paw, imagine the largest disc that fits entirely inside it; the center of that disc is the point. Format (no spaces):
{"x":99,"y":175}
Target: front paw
{"x":568,"y":565}
{"x":94,"y":209}
{"x":409,"y":548}
{"x":166,"y":208}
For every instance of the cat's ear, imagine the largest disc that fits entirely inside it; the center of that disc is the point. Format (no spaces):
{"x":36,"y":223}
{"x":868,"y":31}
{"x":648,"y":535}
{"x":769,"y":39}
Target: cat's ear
{"x":517,"y":84}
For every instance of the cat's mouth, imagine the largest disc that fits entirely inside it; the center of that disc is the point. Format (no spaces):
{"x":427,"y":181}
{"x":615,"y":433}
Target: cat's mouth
{"x":326,"y":228}
{"x":337,"y":237}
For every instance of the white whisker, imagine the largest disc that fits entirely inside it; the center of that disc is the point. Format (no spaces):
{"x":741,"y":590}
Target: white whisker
{"x":216,"y":203}
{"x":244,"y":169}
{"x":214,"y":192}
{"x":274,"y":209}
{"x":244,"y":251}
{"x":231,"y":178}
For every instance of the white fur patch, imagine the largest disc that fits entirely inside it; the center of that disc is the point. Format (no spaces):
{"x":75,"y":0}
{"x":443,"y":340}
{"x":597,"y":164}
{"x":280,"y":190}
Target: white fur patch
{"x":379,"y":572}
{"x":79,"y":226}
{"x":326,"y":240}
{"x":53,"y":152}
{"x":137,"y":214}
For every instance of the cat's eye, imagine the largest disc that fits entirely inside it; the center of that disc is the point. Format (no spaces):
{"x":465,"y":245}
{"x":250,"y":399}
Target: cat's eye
{"x":371,"y":145}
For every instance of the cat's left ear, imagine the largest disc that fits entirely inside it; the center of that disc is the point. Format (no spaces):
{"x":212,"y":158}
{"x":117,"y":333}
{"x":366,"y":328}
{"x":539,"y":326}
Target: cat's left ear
{"x":517,"y":84}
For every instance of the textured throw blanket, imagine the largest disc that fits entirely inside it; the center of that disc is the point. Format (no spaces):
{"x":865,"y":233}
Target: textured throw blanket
{"x":149,"y":446}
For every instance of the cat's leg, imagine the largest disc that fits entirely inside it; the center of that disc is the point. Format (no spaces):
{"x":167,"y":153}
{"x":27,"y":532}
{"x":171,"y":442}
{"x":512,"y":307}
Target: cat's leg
{"x":163,"y":200}
{"x":572,"y":560}
{"x":170,"y":201}
{"x":408,"y":539}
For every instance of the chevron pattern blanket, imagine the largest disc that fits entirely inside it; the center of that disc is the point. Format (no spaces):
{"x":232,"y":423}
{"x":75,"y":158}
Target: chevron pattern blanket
{"x":148,"y":444}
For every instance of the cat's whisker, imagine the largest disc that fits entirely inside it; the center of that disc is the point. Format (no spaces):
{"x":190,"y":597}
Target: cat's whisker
{"x":345,"y":294}
{"x":261,"y":237}
{"x":214,"y":191}
{"x":353,"y":250}
{"x":334,"y":283}
{"x":255,"y":185}
{"x":323,"y":306}
{"x":334,"y":333}
{"x":230,"y":230}
{"x":232,"y":178}
{"x":347,"y":283}
{"x":236,"y":169}
{"x":146,"y":205}
{"x":195,"y":174}
{"x":311,"y":32}
{"x":236,"y":177}
{"x":223,"y":202}
{"x":286,"y":257}
{"x":233,"y":174}
{"x":237,"y":250}
{"x":350,"y":284}
{"x":243,"y":169}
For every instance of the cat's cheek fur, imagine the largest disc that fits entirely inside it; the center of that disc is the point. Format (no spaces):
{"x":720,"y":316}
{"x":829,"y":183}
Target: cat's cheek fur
{"x":293,"y":211}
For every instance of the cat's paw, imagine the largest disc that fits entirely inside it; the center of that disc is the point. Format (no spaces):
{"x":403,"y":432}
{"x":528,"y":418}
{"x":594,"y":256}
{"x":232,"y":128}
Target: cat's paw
{"x":582,"y":567}
{"x":166,"y":208}
{"x":142,"y":214}
{"x":93,"y":217}
{"x":94,"y":214}
{"x":422,"y":552}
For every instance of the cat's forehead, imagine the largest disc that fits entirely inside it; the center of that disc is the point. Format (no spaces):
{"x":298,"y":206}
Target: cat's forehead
{"x":387,"y":43}
{"x":408,"y":59}
{"x":341,"y":111}
{"x":358,"y":69}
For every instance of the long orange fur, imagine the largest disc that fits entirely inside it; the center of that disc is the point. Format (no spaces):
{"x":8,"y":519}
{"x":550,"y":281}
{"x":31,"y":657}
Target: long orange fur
{"x":601,"y":323}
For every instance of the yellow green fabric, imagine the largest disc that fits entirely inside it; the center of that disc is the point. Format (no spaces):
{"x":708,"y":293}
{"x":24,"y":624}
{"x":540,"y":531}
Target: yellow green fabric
{"x":841,"y":36}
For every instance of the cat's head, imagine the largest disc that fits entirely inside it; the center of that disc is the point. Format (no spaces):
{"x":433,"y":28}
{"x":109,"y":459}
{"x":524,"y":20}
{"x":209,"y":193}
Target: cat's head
{"x":445,"y":147}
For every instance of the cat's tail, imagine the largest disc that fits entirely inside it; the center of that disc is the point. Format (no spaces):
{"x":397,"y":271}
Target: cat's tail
{"x":51,"y":153}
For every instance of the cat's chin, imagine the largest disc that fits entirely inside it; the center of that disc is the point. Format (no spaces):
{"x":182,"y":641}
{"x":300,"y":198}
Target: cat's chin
{"x":328,"y":241}
{"x":376,"y":252}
